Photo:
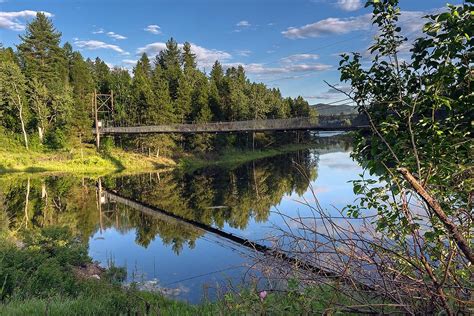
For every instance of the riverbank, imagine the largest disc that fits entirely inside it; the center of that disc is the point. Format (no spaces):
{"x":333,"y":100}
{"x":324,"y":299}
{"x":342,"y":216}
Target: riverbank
{"x":83,"y":159}
{"x":235,"y":157}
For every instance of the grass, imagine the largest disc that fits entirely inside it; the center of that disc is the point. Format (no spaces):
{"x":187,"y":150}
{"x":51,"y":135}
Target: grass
{"x":119,"y":301}
{"x":83,"y":159}
{"x":234,"y":157}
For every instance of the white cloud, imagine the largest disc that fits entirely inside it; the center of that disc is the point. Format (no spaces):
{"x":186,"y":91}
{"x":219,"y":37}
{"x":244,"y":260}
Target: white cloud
{"x":243,"y":23}
{"x":330,"y":26}
{"x":205,"y":57}
{"x":349,"y":5}
{"x":116,"y":36}
{"x":412,"y":21}
{"x":153,"y":29}
{"x":409,"y":21}
{"x":15,"y":21}
{"x":99,"y":31}
{"x":93,"y":45}
{"x":299,"y":57}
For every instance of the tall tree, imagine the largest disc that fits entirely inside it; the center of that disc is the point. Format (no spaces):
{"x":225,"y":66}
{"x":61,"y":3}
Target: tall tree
{"x":39,"y":98}
{"x":45,"y":64}
{"x":142,"y":89}
{"x":121,"y":85}
{"x":82,"y":82}
{"x":40,"y":54}
{"x":101,"y":75}
{"x":201,"y":112}
{"x":182,"y":105}
{"x":215,"y":91}
{"x":188,"y":60}
{"x":163,"y":109}
{"x":170,"y":61}
{"x":12,"y":95}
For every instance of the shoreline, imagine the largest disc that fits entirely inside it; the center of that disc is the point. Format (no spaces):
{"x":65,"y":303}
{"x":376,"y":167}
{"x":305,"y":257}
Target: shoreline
{"x":87,"y":161}
{"x":235,"y":157}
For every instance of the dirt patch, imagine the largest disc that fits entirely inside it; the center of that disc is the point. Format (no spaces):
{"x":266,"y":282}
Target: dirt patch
{"x":89,"y":271}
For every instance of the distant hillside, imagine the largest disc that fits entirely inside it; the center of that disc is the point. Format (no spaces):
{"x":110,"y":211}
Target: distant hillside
{"x":327,"y":109}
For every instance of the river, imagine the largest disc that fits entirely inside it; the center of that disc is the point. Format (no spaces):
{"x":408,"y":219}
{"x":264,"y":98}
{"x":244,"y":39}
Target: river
{"x":182,"y":260}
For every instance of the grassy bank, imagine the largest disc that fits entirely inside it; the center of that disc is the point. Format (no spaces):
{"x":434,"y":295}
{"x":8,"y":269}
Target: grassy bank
{"x":82,"y":159}
{"x":233,"y":157}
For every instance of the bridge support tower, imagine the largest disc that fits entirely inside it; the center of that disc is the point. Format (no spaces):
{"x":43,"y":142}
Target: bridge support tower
{"x":103,"y":107}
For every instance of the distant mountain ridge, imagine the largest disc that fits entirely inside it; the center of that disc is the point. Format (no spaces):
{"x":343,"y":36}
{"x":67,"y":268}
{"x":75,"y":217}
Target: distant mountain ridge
{"x":329,"y":109}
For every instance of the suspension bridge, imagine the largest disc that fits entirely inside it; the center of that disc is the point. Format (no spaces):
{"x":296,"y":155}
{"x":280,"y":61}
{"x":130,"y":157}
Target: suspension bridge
{"x":103,"y":106}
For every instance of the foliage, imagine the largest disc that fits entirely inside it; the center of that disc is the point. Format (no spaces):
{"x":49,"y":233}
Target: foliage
{"x":420,"y":109}
{"x":42,"y":267}
{"x":14,"y":113}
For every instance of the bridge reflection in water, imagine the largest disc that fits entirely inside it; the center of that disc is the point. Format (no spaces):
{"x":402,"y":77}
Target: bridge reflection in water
{"x":108,"y":196}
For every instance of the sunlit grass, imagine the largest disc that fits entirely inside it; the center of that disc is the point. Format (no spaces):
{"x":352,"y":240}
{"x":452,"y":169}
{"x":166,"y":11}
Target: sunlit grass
{"x":81,"y":159}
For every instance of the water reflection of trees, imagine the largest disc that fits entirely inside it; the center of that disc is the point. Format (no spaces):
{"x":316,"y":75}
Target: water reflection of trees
{"x":32,"y":202}
{"x":212,"y":196}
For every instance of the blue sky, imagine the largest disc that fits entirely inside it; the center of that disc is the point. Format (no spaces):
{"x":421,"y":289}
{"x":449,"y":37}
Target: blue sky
{"x":289,"y":44}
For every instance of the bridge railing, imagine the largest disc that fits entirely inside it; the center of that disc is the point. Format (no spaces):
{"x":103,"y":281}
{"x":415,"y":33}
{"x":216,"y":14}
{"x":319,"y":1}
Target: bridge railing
{"x":281,"y":123}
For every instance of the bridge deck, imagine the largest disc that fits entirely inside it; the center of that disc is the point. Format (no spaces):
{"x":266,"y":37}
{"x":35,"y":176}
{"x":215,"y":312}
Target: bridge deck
{"x":291,"y":124}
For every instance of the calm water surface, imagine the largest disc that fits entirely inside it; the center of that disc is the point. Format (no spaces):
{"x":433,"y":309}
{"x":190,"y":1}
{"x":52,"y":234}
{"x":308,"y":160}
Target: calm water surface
{"x":185,"y":261}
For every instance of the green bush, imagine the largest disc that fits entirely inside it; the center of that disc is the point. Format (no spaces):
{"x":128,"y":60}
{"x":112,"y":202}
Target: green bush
{"x":43,"y":267}
{"x":56,"y":139}
{"x":107,"y":144}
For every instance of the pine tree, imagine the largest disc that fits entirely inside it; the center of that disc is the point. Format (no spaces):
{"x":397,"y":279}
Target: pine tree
{"x":189,"y":61}
{"x":201,"y":112}
{"x":121,"y":85}
{"x":40,"y":54}
{"x":215,"y":91}
{"x":182,"y":105}
{"x":163,"y":111}
{"x":142,"y":91}
{"x":82,"y":82}
{"x":170,"y":59}
{"x":236,"y":103}
{"x":7,"y":54}
{"x":45,"y":64}
{"x":101,"y":76}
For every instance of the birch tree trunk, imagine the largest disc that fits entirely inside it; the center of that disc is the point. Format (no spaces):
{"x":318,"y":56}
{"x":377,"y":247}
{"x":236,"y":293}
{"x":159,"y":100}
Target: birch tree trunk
{"x":20,"y":109}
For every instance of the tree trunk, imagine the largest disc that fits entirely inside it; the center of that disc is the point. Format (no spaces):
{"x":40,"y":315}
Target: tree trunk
{"x":41,"y":133}
{"x":23,"y":127}
{"x":434,"y":205}
{"x":20,"y":108}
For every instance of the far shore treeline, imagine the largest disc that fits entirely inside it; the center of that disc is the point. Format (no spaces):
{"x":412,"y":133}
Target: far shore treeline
{"x":46,"y":93}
